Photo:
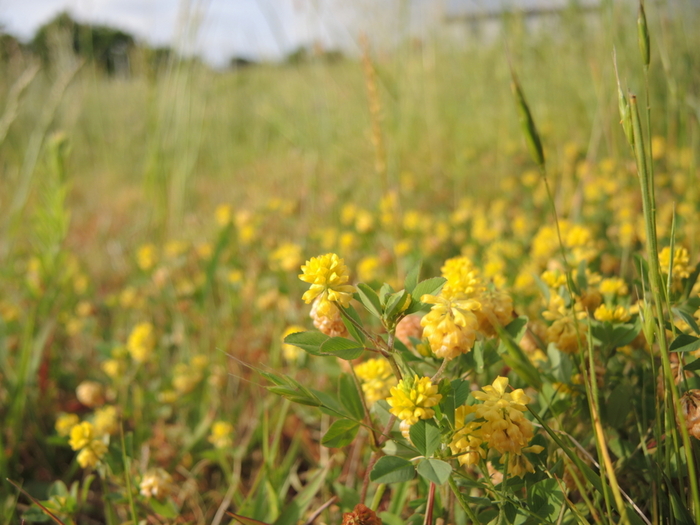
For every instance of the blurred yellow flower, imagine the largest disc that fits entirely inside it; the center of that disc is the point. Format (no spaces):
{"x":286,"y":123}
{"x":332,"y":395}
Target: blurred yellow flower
{"x":146,"y":257}
{"x":221,"y":434}
{"x":156,"y":483}
{"x":223,"y":214}
{"x":106,"y":420}
{"x":65,"y":423}
{"x":291,"y":353}
{"x":141,"y":342}
{"x":377,"y":378}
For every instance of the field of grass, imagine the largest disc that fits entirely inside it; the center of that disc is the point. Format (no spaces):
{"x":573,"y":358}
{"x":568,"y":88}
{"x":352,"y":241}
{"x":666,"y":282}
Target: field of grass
{"x":153,"y":230}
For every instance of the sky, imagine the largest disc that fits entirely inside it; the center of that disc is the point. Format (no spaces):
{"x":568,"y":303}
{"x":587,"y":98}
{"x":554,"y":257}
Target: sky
{"x":222,"y":28}
{"x":260,"y":29}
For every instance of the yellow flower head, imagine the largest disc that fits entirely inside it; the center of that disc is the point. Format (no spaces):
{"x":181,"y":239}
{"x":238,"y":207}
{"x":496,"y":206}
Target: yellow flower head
{"x":412,"y":398}
{"x":65,"y":423}
{"x":463,"y":279}
{"x":467,"y":440}
{"x":106,"y":420}
{"x":377,"y":378}
{"x":141,"y":342}
{"x":619,"y":314}
{"x":328,"y":277}
{"x":286,"y":257}
{"x":681,"y":264}
{"x":82,"y":438}
{"x":450,"y":326}
{"x":221,"y":432}
{"x":81,"y":435}
{"x":90,"y":456}
{"x":613,"y":286}
{"x":146,"y":257}
{"x":504,"y":427}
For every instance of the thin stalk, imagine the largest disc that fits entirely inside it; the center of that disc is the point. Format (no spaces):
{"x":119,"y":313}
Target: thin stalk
{"x":373,"y":432}
{"x":377,"y":499}
{"x":656,"y":287}
{"x":430,"y":505}
{"x":462,"y":502}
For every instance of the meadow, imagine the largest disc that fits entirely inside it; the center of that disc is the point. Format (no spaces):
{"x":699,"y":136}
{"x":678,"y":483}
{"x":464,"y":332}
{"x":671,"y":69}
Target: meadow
{"x":447,"y":282}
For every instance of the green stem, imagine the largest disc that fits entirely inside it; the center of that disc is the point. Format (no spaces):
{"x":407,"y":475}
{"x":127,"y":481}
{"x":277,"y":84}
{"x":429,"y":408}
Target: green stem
{"x":462,"y":502}
{"x":656,"y":288}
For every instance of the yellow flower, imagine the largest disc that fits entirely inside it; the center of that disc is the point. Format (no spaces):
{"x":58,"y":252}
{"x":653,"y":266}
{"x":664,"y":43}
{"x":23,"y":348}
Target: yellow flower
{"x":141,"y":342}
{"x":463,"y":279}
{"x":466,"y":441}
{"x":146,"y":257}
{"x":504,"y":427}
{"x":412,"y":398}
{"x":223,"y":215}
{"x":681,"y":267}
{"x":613,"y":286}
{"x":450,"y":326}
{"x":286,"y":257}
{"x":328,"y":277}
{"x":106,"y":420}
{"x":619,"y":314}
{"x":377,"y":378}
{"x":367,"y":268}
{"x":65,"y":423}
{"x":82,"y":438}
{"x":567,"y":334}
{"x":220,"y":435}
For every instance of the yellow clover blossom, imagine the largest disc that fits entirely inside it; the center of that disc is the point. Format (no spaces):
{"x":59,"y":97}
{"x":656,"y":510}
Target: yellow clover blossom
{"x":220,"y":435}
{"x":106,"y":420}
{"x":619,"y":314}
{"x":146,"y":257}
{"x":328,"y":277}
{"x":466,"y":441}
{"x":463,"y":279}
{"x":450,"y":326}
{"x":65,"y":423}
{"x":377,"y":379}
{"x":141,"y":342}
{"x":82,"y":438}
{"x":681,"y":264}
{"x":504,"y":427}
{"x":613,"y":286}
{"x":412,"y":398}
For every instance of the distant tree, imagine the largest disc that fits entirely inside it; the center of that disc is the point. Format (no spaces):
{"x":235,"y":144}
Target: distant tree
{"x":106,"y":46}
{"x":9,"y":46}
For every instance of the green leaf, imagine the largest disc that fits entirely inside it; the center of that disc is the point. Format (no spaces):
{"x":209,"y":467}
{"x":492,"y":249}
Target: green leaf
{"x":340,"y":433}
{"x":430,"y":286}
{"x":395,"y":302}
{"x":167,"y":508}
{"x":309,"y":341}
{"x":342,"y":348}
{"x":350,"y":397}
{"x":392,"y":469}
{"x":330,"y":404}
{"x":412,"y":277}
{"x":425,"y":436}
{"x":369,"y":299}
{"x":462,"y":390}
{"x":685,"y":343}
{"x":692,"y":366}
{"x":545,"y":499}
{"x":435,"y":470}
{"x":517,"y":327}
{"x":356,"y":334}
{"x":35,"y":515}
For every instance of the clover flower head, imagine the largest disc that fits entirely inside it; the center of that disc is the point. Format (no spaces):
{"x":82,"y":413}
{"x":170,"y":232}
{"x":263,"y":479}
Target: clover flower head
{"x":328,"y":276}
{"x":82,"y":438}
{"x":618,"y":314}
{"x":156,"y":483}
{"x":65,"y":423}
{"x":450,"y":326}
{"x":463,"y":279}
{"x":221,"y":434}
{"x":412,"y":398}
{"x":613,"y":286}
{"x":141,"y":342}
{"x":106,"y":420}
{"x":377,"y":378}
{"x":467,"y":440}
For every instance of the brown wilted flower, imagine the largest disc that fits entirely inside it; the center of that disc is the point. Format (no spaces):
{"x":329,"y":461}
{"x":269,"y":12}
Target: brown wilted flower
{"x":690,"y":403}
{"x":409,"y":327}
{"x":361,"y":515}
{"x":331,"y":324}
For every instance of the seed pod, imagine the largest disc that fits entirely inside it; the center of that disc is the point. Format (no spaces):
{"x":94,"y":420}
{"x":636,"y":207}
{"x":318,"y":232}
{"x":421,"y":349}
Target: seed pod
{"x":528,"y":124}
{"x":643,"y":35}
{"x":624,"y":107}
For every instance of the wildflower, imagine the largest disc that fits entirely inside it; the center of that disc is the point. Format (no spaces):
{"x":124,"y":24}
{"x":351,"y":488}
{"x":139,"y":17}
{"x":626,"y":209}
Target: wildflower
{"x":466,"y":441}
{"x":223,"y":215}
{"x":65,"y":423}
{"x":90,"y":393}
{"x":146,"y":257}
{"x":141,"y":342}
{"x":496,"y":307}
{"x":220,"y":435}
{"x":450,"y":326}
{"x":328,"y":276}
{"x":367,"y":268}
{"x":463,"y":279}
{"x":106,"y":420}
{"x":377,"y":378}
{"x":156,"y":483}
{"x":173,"y":249}
{"x":412,"y":398}
{"x":82,"y":438}
{"x":185,"y":378}
{"x":504,"y":427}
{"x":287,"y":257}
{"x":613,"y":286}
{"x":330,"y":324}
{"x":681,"y":268}
{"x":290,"y":352}
{"x":619,"y":314}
